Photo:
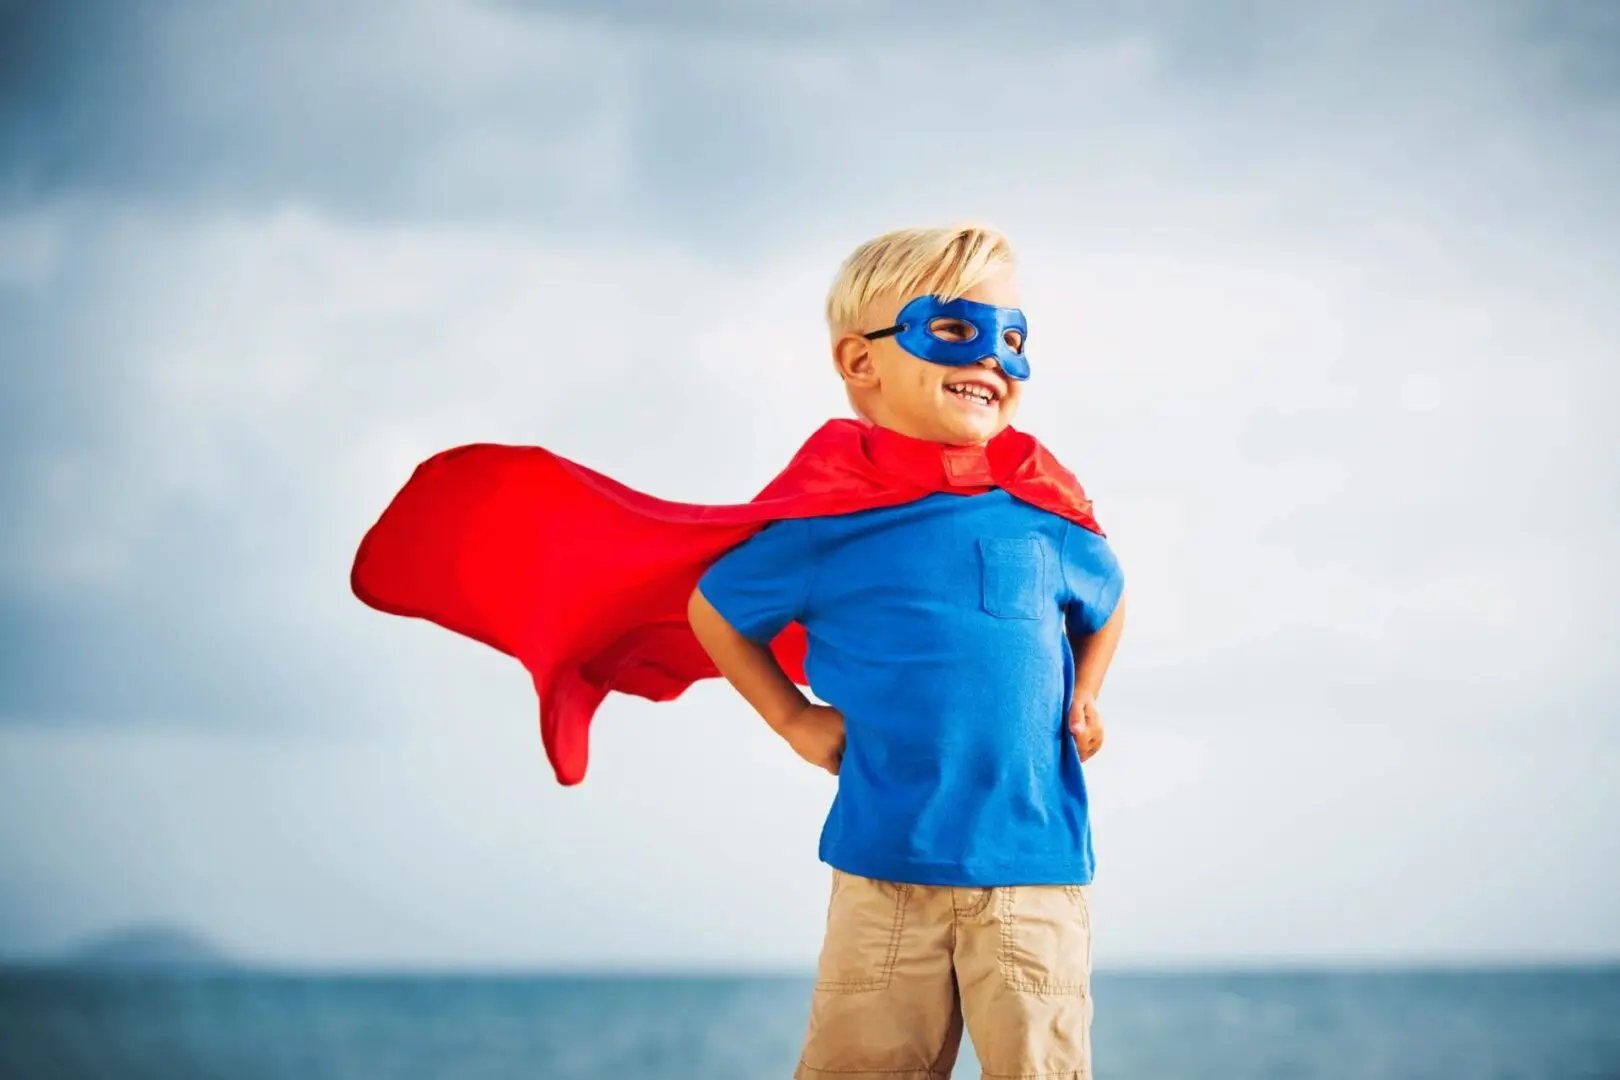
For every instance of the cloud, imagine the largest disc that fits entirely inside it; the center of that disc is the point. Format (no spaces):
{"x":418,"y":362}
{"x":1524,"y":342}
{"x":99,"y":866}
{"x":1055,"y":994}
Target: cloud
{"x":764,"y":125}
{"x":446,"y":847}
{"x":258,"y":388}
{"x":1322,"y":316}
{"x":243,"y":404}
{"x":435,"y":109}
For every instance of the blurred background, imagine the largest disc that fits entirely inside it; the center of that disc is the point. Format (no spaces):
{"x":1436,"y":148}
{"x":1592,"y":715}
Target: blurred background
{"x":1323,"y":313}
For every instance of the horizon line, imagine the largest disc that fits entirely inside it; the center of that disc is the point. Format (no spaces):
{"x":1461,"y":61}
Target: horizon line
{"x":1260,"y":966}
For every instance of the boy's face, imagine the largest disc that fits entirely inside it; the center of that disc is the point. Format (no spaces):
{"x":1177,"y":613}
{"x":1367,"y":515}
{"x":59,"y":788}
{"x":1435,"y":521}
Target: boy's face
{"x":961,"y":406}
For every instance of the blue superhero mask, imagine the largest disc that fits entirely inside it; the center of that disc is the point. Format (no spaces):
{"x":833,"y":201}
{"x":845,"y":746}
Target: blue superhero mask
{"x":914,"y":332}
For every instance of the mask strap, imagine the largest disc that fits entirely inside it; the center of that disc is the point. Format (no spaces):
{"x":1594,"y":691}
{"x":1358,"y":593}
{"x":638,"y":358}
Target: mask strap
{"x":887,"y":331}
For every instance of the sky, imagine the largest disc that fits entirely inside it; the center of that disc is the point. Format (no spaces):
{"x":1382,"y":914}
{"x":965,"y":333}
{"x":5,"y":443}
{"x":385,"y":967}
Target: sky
{"x":1322,"y":307}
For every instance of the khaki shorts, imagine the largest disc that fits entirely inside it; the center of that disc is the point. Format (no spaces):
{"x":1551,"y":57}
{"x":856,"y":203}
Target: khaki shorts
{"x":903,"y":966}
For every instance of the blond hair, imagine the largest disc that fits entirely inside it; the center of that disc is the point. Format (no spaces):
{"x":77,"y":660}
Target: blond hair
{"x":945,"y":262}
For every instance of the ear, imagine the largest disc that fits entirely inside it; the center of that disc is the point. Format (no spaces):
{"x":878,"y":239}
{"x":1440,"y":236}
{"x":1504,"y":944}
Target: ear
{"x":852,"y":356}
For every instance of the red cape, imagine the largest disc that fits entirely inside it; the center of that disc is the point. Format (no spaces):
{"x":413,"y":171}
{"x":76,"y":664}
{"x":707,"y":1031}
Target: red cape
{"x":586,"y":581}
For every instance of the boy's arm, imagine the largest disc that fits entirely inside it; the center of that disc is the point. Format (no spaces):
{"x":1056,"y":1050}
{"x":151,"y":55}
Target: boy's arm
{"x":815,"y":732}
{"x":1092,"y":654}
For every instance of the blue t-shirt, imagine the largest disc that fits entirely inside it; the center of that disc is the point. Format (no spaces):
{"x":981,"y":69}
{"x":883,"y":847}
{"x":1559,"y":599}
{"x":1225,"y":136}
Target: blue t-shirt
{"x":937,"y":629}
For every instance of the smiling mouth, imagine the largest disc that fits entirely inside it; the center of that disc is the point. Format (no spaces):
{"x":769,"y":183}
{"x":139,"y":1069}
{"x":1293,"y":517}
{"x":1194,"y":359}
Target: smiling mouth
{"x":974,"y":393}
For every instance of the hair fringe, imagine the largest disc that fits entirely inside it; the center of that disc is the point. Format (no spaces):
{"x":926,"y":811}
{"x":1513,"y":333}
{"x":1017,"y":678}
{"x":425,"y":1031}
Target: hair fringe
{"x":945,"y":262}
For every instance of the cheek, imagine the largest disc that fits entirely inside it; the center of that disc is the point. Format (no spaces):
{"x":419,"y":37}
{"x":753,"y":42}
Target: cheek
{"x":900,"y":368}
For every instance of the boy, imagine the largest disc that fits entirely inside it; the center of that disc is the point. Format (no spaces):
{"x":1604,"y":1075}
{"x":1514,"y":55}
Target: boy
{"x":960,"y":641}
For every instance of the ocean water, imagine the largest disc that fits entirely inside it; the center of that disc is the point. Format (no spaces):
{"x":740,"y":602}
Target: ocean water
{"x":1524,"y":1025}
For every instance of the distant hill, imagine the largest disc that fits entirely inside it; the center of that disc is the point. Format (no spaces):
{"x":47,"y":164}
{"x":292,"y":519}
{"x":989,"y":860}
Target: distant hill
{"x":144,"y":948}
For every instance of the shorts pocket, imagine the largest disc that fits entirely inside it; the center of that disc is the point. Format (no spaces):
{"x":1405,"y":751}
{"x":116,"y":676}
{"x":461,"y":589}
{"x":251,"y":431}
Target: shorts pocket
{"x":1045,"y":939}
{"x":1014,"y":577}
{"x":865,"y":919}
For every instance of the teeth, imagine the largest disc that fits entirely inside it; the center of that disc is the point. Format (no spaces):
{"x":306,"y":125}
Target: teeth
{"x":976,"y":393}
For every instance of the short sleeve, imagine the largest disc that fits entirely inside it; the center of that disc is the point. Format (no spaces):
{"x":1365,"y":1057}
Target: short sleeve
{"x":1094,"y":579}
{"x":762,"y":585}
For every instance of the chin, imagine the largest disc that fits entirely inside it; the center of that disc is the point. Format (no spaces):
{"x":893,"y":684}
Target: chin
{"x":967,"y":433}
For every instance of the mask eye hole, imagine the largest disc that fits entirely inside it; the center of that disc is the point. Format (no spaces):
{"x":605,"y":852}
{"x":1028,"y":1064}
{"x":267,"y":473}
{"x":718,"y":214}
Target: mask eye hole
{"x":952,"y":330}
{"x":1014,"y":340}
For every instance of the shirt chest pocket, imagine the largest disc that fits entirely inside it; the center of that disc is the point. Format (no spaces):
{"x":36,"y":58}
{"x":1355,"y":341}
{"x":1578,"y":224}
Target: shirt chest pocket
{"x":1013,"y":573}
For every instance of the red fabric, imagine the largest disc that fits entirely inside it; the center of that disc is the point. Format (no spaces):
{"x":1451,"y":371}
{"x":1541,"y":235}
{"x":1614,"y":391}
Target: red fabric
{"x":586,"y":581}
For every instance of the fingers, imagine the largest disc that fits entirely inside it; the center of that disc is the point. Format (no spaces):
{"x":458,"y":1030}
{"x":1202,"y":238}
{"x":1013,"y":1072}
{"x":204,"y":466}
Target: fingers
{"x":1090,"y":740}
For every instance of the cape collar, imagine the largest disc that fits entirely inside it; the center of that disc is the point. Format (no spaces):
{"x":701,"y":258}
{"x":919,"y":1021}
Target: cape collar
{"x":938,"y":466}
